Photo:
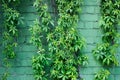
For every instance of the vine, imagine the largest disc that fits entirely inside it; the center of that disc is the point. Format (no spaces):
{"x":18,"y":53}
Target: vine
{"x":102,"y":75}
{"x":106,"y":52}
{"x":66,"y":42}
{"x":39,"y":31}
{"x":62,"y":57}
{"x":11,"y":19}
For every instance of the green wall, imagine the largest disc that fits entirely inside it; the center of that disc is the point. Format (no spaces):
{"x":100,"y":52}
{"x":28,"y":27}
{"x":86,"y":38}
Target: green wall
{"x":88,"y":27}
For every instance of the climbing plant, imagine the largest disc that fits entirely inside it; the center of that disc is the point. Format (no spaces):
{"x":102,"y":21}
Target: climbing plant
{"x":102,"y":75}
{"x":110,"y":15}
{"x":11,"y":19}
{"x":66,"y":42}
{"x":59,"y":46}
{"x":40,"y":31}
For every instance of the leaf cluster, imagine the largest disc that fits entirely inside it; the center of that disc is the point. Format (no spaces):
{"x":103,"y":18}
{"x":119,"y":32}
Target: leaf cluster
{"x":110,"y":17}
{"x":11,"y":19}
{"x":102,"y":75}
{"x":106,"y":51}
{"x":63,"y":50}
{"x":66,"y":43}
{"x":39,"y":31}
{"x":39,"y":65}
{"x":106,"y":54}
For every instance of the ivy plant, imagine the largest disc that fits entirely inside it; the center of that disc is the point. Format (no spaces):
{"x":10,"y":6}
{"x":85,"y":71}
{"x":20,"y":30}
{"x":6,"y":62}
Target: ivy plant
{"x":110,"y":14}
{"x":106,"y":54}
{"x":102,"y":75}
{"x":65,"y":42}
{"x":11,"y":19}
{"x":39,"y":31}
{"x":106,"y":51}
{"x":59,"y":46}
{"x":11,"y":22}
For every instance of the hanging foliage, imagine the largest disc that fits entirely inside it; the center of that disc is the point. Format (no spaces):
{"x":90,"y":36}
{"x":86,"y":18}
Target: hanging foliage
{"x":102,"y":75}
{"x":61,"y":59}
{"x":65,"y":43}
{"x":39,"y":31}
{"x":110,"y":17}
{"x":11,"y":19}
{"x":110,"y":11}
